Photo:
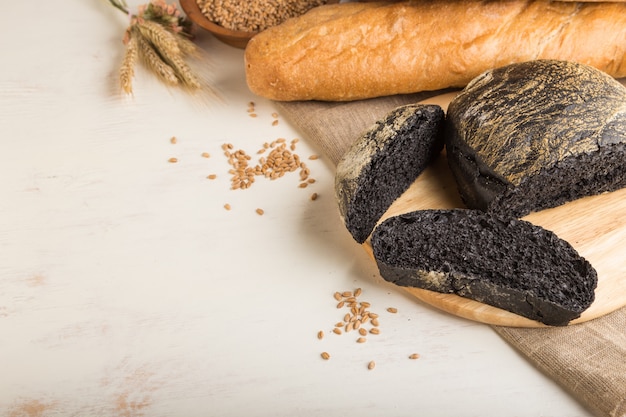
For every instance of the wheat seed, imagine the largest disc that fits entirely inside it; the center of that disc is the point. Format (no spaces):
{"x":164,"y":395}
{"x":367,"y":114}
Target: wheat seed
{"x":414,"y":356}
{"x":320,"y":335}
{"x":371,"y":365}
{"x":361,"y":340}
{"x":172,"y":160}
{"x":325,"y":356}
{"x":392,"y":310}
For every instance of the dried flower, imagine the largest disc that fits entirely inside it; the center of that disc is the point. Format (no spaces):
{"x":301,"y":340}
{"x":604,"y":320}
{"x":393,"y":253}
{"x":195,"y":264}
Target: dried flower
{"x":160,"y":37}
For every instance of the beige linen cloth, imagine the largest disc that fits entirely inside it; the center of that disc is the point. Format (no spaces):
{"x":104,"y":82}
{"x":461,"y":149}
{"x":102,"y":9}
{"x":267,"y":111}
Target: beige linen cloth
{"x":588,"y":360}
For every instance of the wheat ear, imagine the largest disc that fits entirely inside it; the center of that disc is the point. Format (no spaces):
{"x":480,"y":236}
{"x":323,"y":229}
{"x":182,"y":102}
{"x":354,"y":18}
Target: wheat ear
{"x":162,"y":39}
{"x":127,"y":70}
{"x":152,"y":60}
{"x":183,"y":71}
{"x":186,"y":46}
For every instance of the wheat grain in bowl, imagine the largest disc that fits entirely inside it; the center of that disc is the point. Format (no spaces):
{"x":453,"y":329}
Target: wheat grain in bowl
{"x":235,"y":22}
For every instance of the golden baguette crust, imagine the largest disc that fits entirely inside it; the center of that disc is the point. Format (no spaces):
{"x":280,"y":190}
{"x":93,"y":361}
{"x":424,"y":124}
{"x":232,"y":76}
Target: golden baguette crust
{"x":351,"y":51}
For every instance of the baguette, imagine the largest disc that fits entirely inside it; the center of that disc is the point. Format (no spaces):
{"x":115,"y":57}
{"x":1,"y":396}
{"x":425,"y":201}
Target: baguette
{"x":352,"y":51}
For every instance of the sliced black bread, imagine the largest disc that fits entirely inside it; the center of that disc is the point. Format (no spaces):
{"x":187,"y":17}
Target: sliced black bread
{"x":382,"y":163}
{"x":535,"y":135}
{"x":504,"y":262}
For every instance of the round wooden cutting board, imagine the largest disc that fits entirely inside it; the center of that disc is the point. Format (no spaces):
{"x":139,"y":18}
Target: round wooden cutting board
{"x":594,"y":226}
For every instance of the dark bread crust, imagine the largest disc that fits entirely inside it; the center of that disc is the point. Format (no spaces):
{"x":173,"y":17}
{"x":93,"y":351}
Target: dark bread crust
{"x":537,"y":134}
{"x":384,"y":162}
{"x":508,"y":263}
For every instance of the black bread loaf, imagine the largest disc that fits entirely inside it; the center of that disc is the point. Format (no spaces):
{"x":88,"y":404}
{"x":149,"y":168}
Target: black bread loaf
{"x":382,"y":163}
{"x":504,"y":262}
{"x":535,"y":135}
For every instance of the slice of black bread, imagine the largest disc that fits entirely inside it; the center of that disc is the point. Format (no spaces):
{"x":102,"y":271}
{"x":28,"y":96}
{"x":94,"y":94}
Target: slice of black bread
{"x":382,"y":163}
{"x":535,"y":135}
{"x":504,"y":262}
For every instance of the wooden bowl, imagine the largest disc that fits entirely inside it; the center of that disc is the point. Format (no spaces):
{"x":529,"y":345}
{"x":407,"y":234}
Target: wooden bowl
{"x":236,"y":38}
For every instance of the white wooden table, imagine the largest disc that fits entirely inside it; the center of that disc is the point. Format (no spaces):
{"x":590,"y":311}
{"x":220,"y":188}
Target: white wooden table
{"x":126,"y":288}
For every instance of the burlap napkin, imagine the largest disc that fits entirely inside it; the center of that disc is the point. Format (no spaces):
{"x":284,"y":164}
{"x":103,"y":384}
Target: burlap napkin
{"x":588,"y":360}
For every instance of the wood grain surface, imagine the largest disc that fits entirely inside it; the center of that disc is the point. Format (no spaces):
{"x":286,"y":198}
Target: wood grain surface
{"x":595,"y":226}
